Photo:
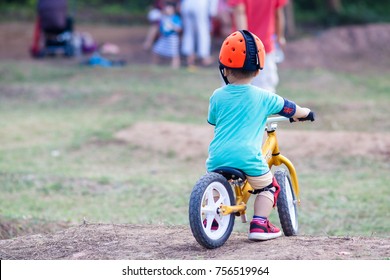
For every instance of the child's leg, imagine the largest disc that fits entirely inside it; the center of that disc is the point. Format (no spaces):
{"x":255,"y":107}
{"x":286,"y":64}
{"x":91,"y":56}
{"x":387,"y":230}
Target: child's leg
{"x":263,"y":206}
{"x":267,"y":190}
{"x":264,"y":200}
{"x":176,"y":62}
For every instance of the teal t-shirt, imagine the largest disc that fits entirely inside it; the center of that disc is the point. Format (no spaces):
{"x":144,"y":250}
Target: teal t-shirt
{"x":239,"y":113}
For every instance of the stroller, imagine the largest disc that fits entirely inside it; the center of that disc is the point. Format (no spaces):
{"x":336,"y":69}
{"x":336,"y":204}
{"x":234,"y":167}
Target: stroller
{"x":53,"y":30}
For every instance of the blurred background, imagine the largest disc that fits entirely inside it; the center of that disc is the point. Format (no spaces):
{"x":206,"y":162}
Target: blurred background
{"x":103,"y":134}
{"x":315,"y":12}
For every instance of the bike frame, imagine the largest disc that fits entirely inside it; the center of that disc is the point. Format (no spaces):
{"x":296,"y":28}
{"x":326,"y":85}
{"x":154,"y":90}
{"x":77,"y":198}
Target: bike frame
{"x":271,"y":152}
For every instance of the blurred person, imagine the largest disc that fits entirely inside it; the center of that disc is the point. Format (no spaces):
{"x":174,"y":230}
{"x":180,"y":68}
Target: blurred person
{"x":168,"y":43}
{"x":154,"y":17}
{"x":54,"y":17}
{"x":196,"y":40}
{"x":265,"y":19}
{"x":54,"y":24}
{"x":221,"y":23}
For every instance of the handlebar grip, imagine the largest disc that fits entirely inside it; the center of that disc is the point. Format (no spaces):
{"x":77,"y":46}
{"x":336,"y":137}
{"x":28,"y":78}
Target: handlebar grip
{"x":310,"y":117}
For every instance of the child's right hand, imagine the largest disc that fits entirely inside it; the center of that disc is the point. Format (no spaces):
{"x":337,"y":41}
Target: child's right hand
{"x":309,"y":116}
{"x":300,"y":112}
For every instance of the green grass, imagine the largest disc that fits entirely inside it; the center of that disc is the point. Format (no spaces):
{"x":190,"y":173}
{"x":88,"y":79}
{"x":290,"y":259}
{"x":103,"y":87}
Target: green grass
{"x":60,"y":162}
{"x":342,"y":101}
{"x":353,"y":199}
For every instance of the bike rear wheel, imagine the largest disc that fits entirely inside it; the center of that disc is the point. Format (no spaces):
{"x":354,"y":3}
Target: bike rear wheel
{"x":287,"y":204}
{"x":210,"y":228}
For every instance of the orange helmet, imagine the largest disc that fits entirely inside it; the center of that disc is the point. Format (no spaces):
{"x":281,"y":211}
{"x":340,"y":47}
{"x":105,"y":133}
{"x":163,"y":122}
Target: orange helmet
{"x":242,"y":50}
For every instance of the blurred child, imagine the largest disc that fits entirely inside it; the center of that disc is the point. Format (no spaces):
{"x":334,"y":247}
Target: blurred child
{"x":168,"y":42}
{"x":154,"y":17}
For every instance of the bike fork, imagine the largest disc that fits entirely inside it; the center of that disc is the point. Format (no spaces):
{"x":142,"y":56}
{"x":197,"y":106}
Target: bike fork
{"x":242,"y":196}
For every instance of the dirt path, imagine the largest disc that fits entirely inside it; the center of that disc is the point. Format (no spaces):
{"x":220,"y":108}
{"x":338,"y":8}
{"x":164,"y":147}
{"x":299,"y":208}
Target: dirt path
{"x":106,"y":242}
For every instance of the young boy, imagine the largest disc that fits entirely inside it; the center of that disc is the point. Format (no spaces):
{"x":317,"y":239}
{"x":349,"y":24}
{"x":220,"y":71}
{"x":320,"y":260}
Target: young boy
{"x":239,"y":112}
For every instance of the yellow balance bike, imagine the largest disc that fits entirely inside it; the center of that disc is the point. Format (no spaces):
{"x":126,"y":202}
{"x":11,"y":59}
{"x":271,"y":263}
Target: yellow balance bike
{"x":221,"y":195}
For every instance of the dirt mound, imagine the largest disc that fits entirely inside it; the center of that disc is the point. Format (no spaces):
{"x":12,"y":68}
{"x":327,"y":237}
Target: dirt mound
{"x":352,"y":48}
{"x":105,"y":241}
{"x":13,"y":228}
{"x":181,"y":140}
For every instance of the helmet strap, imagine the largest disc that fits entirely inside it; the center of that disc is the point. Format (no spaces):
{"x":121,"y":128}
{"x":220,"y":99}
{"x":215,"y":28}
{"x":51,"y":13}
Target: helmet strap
{"x":221,"y":68}
{"x":252,"y":57}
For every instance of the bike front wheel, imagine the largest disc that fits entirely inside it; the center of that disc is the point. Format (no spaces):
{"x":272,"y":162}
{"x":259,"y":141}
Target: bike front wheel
{"x":210,"y":228}
{"x":287,"y":204}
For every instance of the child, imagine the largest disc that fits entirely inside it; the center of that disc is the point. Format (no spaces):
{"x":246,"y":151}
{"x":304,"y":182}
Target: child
{"x":239,"y":112}
{"x":154,"y":17}
{"x":167,"y":44}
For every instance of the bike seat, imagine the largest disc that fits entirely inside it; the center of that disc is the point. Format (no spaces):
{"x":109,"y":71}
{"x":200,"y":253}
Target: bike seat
{"x":230,"y":173}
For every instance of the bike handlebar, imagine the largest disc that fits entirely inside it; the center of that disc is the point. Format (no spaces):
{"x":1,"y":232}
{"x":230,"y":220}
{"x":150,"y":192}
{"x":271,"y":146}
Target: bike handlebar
{"x":310,"y":117}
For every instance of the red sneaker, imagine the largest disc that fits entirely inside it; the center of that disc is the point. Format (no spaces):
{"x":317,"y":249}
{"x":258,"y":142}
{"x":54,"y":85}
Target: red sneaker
{"x":263,"y":230}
